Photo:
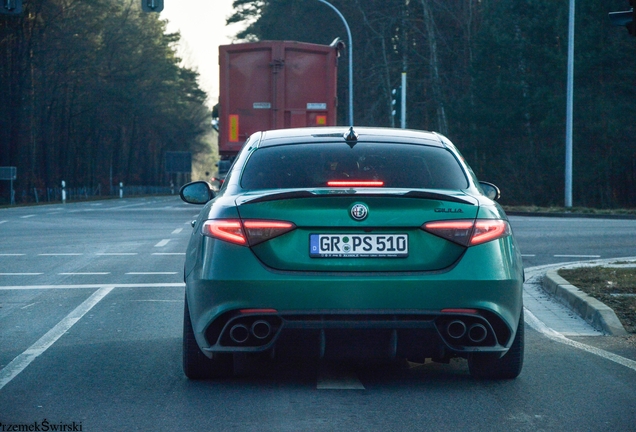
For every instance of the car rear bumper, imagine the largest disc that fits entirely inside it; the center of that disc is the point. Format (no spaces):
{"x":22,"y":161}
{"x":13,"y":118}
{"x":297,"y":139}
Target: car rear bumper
{"x":368,"y":334}
{"x":332,"y":311}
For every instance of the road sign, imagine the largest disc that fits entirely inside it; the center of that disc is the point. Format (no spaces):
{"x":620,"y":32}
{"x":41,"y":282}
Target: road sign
{"x":8,"y":173}
{"x":178,"y":162}
{"x":11,"y":7}
{"x":152,"y":5}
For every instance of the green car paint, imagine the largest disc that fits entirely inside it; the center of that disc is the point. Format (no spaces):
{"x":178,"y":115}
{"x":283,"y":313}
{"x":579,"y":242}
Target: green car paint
{"x":399,"y":267}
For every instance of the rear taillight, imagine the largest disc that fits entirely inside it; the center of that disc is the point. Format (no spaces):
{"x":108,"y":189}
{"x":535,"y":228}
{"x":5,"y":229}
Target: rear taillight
{"x":247,"y":232}
{"x":469,"y":232}
{"x":259,"y":231}
{"x":487,"y":230}
{"x":456,"y":231}
{"x":229,"y":230}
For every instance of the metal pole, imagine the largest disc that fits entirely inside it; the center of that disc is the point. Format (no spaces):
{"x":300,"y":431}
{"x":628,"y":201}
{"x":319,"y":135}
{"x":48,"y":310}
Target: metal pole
{"x":403,"y":102}
{"x":350,"y":50}
{"x":569,"y":110}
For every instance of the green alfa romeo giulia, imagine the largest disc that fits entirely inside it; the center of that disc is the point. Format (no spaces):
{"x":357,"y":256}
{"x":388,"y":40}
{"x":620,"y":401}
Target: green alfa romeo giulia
{"x":352,"y":243}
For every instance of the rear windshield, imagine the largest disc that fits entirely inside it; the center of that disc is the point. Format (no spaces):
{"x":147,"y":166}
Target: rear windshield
{"x":313,"y":165}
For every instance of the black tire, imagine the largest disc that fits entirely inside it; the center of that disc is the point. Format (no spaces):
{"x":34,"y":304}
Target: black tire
{"x":196,"y":365}
{"x":482,"y":365}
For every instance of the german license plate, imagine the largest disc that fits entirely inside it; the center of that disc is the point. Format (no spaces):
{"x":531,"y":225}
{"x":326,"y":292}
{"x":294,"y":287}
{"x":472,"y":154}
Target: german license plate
{"x":358,"y":245}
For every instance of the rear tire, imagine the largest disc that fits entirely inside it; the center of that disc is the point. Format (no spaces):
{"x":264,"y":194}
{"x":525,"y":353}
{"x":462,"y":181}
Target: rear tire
{"x":197,"y":365}
{"x":483,"y":365}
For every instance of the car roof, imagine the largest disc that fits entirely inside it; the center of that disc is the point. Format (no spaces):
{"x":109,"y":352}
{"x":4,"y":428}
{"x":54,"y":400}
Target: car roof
{"x":336,"y":134}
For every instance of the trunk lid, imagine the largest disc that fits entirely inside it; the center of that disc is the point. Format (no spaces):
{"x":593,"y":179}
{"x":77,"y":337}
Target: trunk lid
{"x":329,"y":238}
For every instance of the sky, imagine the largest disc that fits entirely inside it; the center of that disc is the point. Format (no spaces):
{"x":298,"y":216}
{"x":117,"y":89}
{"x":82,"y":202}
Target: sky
{"x":202,"y":27}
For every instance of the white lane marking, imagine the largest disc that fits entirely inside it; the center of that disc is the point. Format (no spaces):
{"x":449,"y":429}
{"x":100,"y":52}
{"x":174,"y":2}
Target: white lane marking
{"x":29,"y":305}
{"x":19,"y":363}
{"x":162,"y":243}
{"x":539,"y":326}
{"x":1,"y":222}
{"x":60,"y":254}
{"x":116,"y":253}
{"x":169,"y":253}
{"x":119,"y":207}
{"x":8,"y":255}
{"x":331,"y":379}
{"x":151,"y":273}
{"x":177,"y":231}
{"x":576,"y":256}
{"x":90,"y":286}
{"x":27,"y":216}
{"x":528,"y":255}
{"x":20,"y":274}
{"x":84,"y":274}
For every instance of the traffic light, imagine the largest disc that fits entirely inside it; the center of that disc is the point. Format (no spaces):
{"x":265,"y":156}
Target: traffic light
{"x":11,"y":7}
{"x":396,"y":105}
{"x":625,"y":18}
{"x":152,"y":5}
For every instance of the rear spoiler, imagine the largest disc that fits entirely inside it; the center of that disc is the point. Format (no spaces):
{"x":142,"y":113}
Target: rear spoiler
{"x":355,"y":193}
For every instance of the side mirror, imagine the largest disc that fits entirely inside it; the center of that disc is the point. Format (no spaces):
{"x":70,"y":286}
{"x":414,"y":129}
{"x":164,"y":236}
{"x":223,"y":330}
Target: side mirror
{"x":490,"y":190}
{"x":198,"y":192}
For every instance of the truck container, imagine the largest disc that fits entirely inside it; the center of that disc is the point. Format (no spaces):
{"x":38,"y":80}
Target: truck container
{"x":274,"y":85}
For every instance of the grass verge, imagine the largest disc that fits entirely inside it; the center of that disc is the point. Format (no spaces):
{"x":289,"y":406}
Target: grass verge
{"x":614,"y":286}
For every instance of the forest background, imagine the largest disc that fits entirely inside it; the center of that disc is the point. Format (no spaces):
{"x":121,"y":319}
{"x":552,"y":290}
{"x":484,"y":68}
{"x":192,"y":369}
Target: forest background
{"x":92,"y":91}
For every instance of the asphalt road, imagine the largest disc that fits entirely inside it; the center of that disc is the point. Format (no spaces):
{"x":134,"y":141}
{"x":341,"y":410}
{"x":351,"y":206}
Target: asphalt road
{"x":547,"y":240}
{"x":91,"y":307}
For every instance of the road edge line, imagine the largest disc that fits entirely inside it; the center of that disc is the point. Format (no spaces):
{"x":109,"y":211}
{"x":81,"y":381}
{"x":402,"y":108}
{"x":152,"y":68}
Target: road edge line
{"x":554,"y":335}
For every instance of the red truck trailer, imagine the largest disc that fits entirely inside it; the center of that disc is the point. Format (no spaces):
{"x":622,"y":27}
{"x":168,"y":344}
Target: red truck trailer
{"x":274,"y":85}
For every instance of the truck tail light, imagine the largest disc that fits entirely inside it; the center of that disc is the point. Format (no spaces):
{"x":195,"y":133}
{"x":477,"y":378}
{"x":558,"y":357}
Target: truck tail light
{"x":468,"y":232}
{"x":247,"y":232}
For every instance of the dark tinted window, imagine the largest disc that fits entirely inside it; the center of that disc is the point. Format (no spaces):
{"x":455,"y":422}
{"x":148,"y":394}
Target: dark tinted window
{"x":313,"y":165}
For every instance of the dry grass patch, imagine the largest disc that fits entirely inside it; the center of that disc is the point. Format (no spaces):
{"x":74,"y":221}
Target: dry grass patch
{"x":614,"y":286}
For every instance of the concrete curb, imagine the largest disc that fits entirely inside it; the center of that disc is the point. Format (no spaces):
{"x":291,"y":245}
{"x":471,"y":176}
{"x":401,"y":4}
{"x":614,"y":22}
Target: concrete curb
{"x":599,"y":315}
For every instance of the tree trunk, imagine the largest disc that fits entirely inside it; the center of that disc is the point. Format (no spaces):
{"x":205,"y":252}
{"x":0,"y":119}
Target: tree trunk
{"x":436,"y":83}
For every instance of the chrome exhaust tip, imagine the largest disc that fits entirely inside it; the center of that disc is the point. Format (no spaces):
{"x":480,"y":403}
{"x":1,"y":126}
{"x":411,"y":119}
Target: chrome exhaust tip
{"x":261,"y":329}
{"x":239,"y":333}
{"x":456,"y":329}
{"x":477,"y":333}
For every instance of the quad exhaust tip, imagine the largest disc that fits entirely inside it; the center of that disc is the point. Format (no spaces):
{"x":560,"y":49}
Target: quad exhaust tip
{"x":456,"y":329}
{"x":239,"y":333}
{"x":261,"y":329}
{"x":477,"y":333}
